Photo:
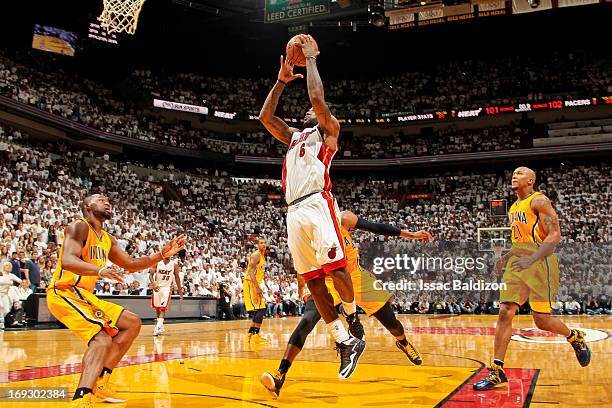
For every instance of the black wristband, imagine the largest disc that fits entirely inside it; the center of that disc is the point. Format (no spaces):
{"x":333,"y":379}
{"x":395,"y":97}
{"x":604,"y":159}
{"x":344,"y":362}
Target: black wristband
{"x":282,"y":82}
{"x":377,"y":228}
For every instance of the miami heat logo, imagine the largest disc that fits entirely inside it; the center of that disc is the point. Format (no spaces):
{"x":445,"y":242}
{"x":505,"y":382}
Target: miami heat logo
{"x":331,"y":254}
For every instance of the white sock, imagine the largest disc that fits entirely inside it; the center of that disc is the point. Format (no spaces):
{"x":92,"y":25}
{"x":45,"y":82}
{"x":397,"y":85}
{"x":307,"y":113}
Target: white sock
{"x":349,"y":308}
{"x":336,"y":328}
{"x":160,"y":321}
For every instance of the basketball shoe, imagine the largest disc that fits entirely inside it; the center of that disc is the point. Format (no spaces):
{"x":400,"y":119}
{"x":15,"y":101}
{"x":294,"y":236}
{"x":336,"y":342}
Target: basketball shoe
{"x":497,"y":376}
{"x":273,"y":381}
{"x":88,"y":401}
{"x":355,"y":327}
{"x":410,"y":352}
{"x":583,"y":353}
{"x":257,"y":338}
{"x":349,"y":351}
{"x":105,"y":392}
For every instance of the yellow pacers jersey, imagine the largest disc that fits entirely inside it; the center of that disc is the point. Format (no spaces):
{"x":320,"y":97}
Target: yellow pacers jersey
{"x":524,"y":222}
{"x":95,"y":251}
{"x":350,"y":250}
{"x":259,"y":269}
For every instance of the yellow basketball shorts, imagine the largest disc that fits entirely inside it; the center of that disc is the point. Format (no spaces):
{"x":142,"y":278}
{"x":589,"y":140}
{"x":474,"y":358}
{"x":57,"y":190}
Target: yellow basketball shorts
{"x":83,"y":313}
{"x":537,"y":284}
{"x":250,"y":293}
{"x":366,"y":296}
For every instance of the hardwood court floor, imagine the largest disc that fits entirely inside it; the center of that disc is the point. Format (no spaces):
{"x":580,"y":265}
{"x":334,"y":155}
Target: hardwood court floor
{"x":208,"y":364}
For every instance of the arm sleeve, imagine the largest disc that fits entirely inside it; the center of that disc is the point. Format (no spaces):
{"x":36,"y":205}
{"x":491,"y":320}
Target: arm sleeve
{"x":377,"y":228}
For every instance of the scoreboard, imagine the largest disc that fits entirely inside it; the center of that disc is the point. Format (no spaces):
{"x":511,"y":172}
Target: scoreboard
{"x":499,"y":208}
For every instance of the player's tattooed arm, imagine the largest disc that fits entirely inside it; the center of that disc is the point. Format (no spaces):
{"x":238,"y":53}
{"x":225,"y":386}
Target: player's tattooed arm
{"x":550,"y":225}
{"x":327,"y":122}
{"x":275,"y":125}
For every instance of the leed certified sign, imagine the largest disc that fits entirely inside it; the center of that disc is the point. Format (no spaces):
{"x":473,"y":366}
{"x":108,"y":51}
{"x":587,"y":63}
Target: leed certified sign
{"x":282,"y":10}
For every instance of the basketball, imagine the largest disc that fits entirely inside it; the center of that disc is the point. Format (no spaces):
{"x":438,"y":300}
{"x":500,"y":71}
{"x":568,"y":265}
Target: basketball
{"x":294,"y":52}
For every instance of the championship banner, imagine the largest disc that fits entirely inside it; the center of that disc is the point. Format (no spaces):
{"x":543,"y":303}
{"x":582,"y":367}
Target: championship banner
{"x":401,"y":19}
{"x":521,"y":6}
{"x":459,"y":12}
{"x":159,"y":103}
{"x":282,"y":10}
{"x":431,"y":16}
{"x":488,"y":8}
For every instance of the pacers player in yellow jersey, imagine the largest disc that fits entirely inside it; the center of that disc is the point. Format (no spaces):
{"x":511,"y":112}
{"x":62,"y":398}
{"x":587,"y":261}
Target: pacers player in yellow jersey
{"x":106,"y":328}
{"x":253,"y":294}
{"x":373,"y":302}
{"x":531,"y":273}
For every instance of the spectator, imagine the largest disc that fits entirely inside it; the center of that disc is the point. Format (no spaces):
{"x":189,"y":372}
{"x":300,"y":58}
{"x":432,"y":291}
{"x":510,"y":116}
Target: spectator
{"x":225,"y":311}
{"x":6,"y":282}
{"x":572,"y":307}
{"x":30,"y":270}
{"x":592,"y":307}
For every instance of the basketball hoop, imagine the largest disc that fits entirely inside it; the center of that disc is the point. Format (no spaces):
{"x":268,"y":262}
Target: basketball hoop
{"x":120,"y":15}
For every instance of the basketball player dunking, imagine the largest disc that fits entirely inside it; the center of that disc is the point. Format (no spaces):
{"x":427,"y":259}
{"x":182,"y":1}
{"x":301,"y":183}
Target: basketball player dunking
{"x":107,"y":329}
{"x":161,"y":282}
{"x":313,"y":225}
{"x":531,"y":272}
{"x":373,"y":302}
{"x":253,"y":294}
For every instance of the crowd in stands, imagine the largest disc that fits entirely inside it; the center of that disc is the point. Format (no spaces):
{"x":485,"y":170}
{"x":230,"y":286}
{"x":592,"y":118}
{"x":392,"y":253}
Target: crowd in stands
{"x":42,"y":186}
{"x":458,"y":84}
{"x":47,"y":86}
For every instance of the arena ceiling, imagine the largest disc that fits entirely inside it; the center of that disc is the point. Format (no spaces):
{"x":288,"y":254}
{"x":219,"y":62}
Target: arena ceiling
{"x":228,"y":37}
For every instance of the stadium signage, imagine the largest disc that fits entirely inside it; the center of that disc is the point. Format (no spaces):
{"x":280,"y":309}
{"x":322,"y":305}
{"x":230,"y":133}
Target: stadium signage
{"x":225,"y":115}
{"x":411,"y":118}
{"x":415,"y":16}
{"x":401,"y":117}
{"x":469,"y":113}
{"x":159,"y":103}
{"x":283,"y":10}
{"x":578,"y":102}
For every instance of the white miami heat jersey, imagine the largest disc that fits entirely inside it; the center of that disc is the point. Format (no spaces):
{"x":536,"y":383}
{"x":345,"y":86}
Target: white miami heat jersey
{"x":165,"y":273}
{"x":306,"y":166}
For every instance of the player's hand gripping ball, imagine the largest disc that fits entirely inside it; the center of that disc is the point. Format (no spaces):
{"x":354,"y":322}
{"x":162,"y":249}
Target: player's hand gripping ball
{"x":295,"y":49}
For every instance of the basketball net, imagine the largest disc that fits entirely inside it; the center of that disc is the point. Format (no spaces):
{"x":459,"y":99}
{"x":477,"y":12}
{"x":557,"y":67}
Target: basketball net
{"x":120,"y":15}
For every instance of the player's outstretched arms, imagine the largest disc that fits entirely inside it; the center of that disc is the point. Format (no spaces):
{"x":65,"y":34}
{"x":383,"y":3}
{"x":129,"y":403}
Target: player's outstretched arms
{"x":275,"y":125}
{"x":352,"y":221}
{"x":122,"y":259}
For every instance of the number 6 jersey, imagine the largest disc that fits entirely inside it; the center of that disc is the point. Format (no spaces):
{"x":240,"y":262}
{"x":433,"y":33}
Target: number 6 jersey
{"x":306,"y":166}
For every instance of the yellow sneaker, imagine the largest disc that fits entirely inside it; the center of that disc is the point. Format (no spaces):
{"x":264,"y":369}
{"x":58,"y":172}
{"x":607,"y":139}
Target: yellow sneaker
{"x":258,"y":339}
{"x":105,"y":392}
{"x":88,"y":401}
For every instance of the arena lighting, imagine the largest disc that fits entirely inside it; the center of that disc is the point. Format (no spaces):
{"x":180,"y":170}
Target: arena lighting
{"x":534,"y":3}
{"x":376,"y":12}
